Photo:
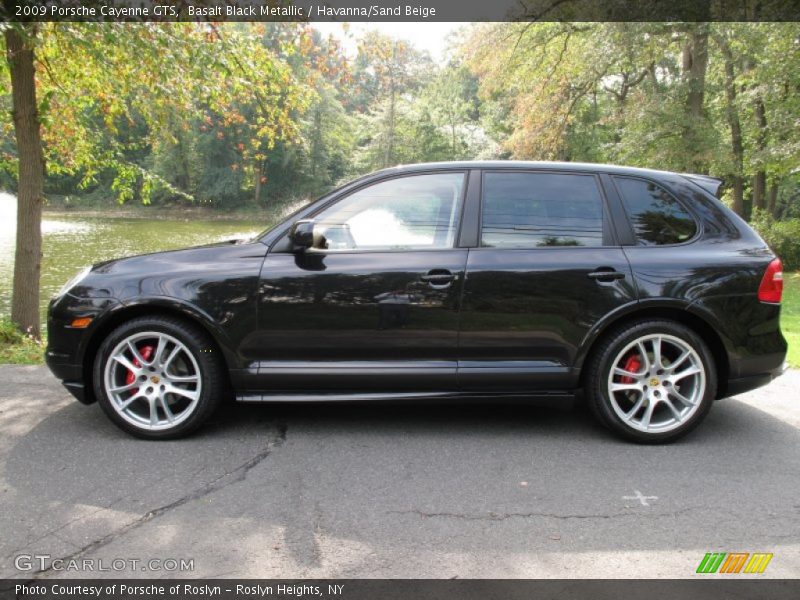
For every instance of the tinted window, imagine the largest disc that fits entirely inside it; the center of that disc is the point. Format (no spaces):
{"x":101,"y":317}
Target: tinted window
{"x":655,"y":215}
{"x":408,"y":212}
{"x":530,"y":210}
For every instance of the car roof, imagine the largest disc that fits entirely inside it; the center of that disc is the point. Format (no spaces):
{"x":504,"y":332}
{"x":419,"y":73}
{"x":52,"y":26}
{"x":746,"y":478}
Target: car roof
{"x":525,"y":164}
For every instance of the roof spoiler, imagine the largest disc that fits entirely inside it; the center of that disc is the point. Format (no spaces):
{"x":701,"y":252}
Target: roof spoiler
{"x":708,"y":183}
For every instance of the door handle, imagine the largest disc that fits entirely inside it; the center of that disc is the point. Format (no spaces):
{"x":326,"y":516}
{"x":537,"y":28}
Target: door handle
{"x":438,"y":278}
{"x":605,"y":274}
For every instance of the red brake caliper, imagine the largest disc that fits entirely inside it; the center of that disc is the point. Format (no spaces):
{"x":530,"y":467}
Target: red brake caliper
{"x":633,"y":364}
{"x":146,"y":352}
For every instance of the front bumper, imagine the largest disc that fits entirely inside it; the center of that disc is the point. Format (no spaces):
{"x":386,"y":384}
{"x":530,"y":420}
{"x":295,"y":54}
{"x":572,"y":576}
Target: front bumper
{"x":71,"y":376}
{"x":67,"y":346}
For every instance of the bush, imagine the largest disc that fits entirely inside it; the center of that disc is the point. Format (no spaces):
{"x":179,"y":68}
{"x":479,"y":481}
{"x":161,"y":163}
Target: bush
{"x":17,"y":347}
{"x":782,"y":236}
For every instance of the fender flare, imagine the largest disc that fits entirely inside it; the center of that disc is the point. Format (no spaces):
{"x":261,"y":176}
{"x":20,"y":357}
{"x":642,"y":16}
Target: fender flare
{"x":632,"y":308}
{"x":169,"y":304}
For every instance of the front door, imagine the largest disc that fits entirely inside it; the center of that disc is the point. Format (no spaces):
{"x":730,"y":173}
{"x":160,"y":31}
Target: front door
{"x":373,"y":306}
{"x":546,"y":271}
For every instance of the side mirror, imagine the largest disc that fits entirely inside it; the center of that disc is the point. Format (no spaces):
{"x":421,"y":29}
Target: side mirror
{"x":302,"y":234}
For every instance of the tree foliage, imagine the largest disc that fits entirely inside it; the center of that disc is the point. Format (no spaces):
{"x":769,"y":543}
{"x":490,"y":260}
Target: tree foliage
{"x":238,"y":114}
{"x":717,"y":98}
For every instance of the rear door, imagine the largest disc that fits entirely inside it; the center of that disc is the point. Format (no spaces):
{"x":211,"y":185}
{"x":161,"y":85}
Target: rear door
{"x":546,"y":270}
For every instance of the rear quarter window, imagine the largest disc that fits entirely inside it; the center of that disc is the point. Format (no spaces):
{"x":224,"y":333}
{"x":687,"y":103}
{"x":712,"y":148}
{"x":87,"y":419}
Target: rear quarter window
{"x":657,"y":217}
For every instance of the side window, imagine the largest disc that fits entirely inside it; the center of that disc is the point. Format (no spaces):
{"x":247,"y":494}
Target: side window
{"x":415,"y":212}
{"x":656,"y":216}
{"x":531,"y":210}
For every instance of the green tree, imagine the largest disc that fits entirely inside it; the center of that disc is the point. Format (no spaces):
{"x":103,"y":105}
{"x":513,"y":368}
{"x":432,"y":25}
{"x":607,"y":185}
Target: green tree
{"x":454,"y":108}
{"x":19,"y":42}
{"x":695,"y":97}
{"x":393,"y":69}
{"x":71,"y":81}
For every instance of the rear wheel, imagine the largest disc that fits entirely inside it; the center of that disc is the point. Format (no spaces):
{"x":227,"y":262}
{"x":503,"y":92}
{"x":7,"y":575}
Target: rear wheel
{"x":652,"y":381}
{"x":158,"y":377}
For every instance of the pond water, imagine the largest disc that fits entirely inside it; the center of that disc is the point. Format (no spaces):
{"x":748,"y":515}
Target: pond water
{"x":72,"y":242}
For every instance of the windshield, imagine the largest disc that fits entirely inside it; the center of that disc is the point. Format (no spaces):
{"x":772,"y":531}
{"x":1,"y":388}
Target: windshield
{"x":299,"y":206}
{"x":287,"y":212}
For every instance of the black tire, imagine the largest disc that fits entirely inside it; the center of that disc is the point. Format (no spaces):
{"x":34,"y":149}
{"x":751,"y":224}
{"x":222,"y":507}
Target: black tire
{"x":603,"y":360}
{"x":212,"y":374}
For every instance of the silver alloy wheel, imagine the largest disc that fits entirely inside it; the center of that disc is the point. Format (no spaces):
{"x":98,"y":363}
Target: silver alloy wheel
{"x":152,"y":380}
{"x":666,"y":387}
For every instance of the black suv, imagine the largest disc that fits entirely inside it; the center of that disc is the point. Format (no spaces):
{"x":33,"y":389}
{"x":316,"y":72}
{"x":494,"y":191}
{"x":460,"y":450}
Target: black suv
{"x":447,"y":280}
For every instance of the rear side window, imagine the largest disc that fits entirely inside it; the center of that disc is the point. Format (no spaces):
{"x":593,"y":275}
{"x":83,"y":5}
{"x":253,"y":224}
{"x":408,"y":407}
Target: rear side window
{"x":656,"y":216}
{"x":533,"y":210}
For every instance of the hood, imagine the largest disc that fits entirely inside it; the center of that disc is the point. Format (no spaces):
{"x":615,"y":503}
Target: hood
{"x":157,"y":272}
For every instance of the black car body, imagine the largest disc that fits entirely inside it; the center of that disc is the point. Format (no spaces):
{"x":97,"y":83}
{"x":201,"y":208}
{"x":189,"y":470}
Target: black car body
{"x":505,"y":279}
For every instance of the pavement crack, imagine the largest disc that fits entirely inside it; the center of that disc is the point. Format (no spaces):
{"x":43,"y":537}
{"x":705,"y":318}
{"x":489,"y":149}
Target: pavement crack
{"x":502,"y":516}
{"x":54,"y":531}
{"x":230,"y":477}
{"x":240,"y":471}
{"x":495,"y":516}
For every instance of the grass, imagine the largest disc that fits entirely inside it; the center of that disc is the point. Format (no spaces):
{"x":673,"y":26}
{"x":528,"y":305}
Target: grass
{"x":790,"y":316}
{"x":16,"y":348}
{"x":20,"y":349}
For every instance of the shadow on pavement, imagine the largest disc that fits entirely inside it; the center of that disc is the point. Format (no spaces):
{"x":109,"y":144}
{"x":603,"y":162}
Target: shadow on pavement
{"x":385,"y":477}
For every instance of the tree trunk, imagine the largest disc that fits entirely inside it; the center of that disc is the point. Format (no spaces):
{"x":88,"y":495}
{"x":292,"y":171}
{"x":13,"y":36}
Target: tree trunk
{"x":258,"y":167}
{"x":389,"y":153}
{"x":759,"y":189}
{"x":760,"y":178}
{"x":695,"y":64}
{"x":772,"y":200}
{"x":737,"y":146}
{"x":651,"y":75}
{"x":316,"y":142}
{"x":453,"y":137}
{"x":28,"y":256}
{"x":184,"y":178}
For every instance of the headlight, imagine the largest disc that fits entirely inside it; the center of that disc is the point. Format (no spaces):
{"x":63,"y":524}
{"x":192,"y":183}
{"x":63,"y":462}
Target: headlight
{"x":74,"y":281}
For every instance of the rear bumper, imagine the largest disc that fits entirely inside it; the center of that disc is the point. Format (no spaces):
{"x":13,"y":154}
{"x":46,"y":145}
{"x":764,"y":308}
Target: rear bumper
{"x":751,"y":339}
{"x":745,"y":384}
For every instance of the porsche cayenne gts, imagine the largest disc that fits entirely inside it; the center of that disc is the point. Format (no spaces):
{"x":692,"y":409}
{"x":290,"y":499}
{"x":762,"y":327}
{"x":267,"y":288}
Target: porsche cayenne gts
{"x":637,"y":289}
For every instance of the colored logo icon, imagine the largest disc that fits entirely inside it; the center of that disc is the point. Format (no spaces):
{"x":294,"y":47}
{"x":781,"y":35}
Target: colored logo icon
{"x":734,"y":562}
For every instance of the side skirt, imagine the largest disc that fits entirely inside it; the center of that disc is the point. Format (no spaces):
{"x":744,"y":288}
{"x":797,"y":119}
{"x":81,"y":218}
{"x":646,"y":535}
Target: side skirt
{"x":554,"y":399}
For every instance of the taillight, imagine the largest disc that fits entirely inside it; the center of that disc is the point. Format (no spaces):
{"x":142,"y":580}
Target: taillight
{"x":771,"y":288}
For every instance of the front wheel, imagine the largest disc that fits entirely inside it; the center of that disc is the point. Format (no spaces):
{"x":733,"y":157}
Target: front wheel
{"x":158,"y":377}
{"x":652,"y":381}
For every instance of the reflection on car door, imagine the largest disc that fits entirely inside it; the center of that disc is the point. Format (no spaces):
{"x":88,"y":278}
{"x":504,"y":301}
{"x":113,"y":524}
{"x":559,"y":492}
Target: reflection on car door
{"x":374,"y":305}
{"x":547,"y":270}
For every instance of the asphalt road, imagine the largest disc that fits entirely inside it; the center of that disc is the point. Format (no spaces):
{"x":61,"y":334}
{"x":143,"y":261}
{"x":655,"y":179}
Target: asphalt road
{"x":395,"y":491}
